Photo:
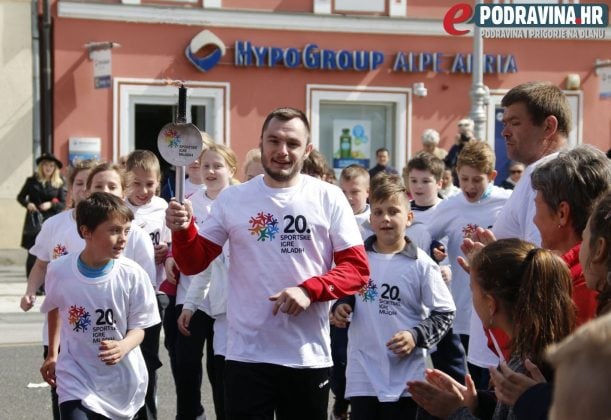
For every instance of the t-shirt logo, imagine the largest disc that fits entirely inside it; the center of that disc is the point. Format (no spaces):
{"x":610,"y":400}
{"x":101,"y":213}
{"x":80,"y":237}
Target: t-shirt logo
{"x":79,"y":318}
{"x":369,"y":292}
{"x":59,"y":251}
{"x":264,"y":226}
{"x":469,"y":230}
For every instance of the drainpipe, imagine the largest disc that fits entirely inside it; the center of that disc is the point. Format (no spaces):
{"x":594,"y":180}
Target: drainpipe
{"x":47,"y":85}
{"x":35,"y":80}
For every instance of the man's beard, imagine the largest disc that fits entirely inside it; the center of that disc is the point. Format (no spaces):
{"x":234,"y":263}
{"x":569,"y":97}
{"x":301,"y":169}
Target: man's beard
{"x":281,"y":176}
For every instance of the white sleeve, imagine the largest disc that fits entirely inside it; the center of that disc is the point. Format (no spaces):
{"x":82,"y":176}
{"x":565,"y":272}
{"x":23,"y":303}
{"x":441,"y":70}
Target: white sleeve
{"x":439,"y":220}
{"x":143,"y":311}
{"x":436,"y":295}
{"x":345,"y":231}
{"x":141,"y":250}
{"x":196,"y":293}
{"x":50,"y":301}
{"x":529,"y":230}
{"x":213,"y":228}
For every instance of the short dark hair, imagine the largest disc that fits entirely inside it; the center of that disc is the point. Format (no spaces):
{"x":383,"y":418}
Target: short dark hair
{"x":98,"y":208}
{"x":382,"y":149}
{"x":542,"y":99}
{"x":424,"y":161}
{"x":286,"y":114}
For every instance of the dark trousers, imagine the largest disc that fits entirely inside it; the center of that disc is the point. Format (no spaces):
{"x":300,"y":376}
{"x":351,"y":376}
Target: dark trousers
{"x":450,"y":357}
{"x":370,"y":408}
{"x":218,"y":387}
{"x":29,"y":264}
{"x":170,"y":329}
{"x":189,"y":371}
{"x":254,"y":391}
{"x":339,"y":353}
{"x":54,"y":400}
{"x":150,"y":353}
{"x":75,"y":410}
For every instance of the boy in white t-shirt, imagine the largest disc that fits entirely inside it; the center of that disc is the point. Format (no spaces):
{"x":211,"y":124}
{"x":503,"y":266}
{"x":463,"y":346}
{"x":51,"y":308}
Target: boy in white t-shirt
{"x":143,"y":174}
{"x":102,"y":302}
{"x":354,"y":183}
{"x":424,"y":173}
{"x":404,"y":309}
{"x":457,"y":218}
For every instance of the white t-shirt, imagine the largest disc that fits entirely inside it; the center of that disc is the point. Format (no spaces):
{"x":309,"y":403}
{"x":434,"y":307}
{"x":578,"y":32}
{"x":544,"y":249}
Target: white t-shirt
{"x":278,"y":238}
{"x":516,"y":219}
{"x":207,"y":290}
{"x":151,"y":218}
{"x":362,"y":219}
{"x":419,"y":233}
{"x":92,"y":310}
{"x":401,"y":293}
{"x":59,"y":237}
{"x":192,"y":189}
{"x":456,"y":218}
{"x":479,"y":353}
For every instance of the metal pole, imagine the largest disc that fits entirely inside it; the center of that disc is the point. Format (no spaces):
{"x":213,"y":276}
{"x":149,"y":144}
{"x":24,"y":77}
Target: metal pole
{"x":35,"y":80}
{"x":479,"y":92}
{"x":181,"y":118}
{"x":47,"y":100}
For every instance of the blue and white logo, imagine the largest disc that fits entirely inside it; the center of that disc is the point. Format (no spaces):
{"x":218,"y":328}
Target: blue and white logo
{"x":205,"y":39}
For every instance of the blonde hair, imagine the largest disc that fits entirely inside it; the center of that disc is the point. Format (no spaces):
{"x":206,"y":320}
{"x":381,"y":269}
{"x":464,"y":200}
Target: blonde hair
{"x":56,"y":180}
{"x":103,"y":167}
{"x":354,"y":171}
{"x":228,"y":156}
{"x":253,"y":155}
{"x":584,"y":361}
{"x":145,"y":160}
{"x":477,"y":155}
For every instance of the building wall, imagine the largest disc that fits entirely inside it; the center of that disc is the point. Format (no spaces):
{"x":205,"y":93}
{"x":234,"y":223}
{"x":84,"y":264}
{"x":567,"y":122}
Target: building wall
{"x":156,"y":51}
{"x":15,"y":115}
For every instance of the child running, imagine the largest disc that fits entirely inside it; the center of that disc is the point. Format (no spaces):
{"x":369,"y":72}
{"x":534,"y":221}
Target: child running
{"x":404,"y":309}
{"x":143,"y":174}
{"x":203,"y":299}
{"x":102,"y":302}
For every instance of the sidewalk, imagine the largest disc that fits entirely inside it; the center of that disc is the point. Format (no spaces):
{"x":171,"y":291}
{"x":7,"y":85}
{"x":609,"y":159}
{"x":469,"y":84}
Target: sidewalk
{"x":16,"y":326}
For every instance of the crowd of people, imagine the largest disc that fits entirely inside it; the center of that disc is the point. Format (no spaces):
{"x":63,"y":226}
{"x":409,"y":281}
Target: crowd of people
{"x":435,"y":294}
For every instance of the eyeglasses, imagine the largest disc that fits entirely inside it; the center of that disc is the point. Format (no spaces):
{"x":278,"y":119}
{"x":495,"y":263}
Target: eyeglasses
{"x":516,"y":171}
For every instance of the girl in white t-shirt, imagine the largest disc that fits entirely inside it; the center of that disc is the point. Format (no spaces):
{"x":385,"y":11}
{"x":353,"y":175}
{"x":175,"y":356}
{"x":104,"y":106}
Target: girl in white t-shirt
{"x":102,"y":302}
{"x":203,"y":299}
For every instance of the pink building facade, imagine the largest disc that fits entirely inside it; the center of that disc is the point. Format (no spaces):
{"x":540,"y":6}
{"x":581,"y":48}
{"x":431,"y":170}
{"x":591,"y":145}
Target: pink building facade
{"x":350,"y":65}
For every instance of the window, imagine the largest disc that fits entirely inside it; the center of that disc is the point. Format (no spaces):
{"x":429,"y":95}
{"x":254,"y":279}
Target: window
{"x":371,"y":6}
{"x":366,"y":118}
{"x":142,"y":107}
